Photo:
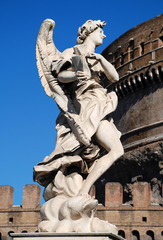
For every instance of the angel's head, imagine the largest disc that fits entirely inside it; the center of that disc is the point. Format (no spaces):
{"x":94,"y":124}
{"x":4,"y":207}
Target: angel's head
{"x":93,"y":29}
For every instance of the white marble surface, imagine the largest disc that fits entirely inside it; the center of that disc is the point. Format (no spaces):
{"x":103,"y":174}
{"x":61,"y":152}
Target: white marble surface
{"x":73,"y":79}
{"x":69,"y":236}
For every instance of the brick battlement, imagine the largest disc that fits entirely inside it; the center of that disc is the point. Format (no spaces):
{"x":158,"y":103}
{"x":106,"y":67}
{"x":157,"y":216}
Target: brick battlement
{"x":24,"y":218}
{"x":31,"y":196}
{"x":142,"y":196}
{"x":138,"y":217}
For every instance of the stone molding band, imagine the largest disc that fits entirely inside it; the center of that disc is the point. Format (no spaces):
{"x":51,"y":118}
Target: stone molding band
{"x":144,"y":141}
{"x":142,"y":128}
{"x":132,"y":83}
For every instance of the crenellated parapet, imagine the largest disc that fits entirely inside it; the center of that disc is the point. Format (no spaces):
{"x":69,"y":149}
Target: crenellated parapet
{"x":140,"y":215}
{"x":141,"y":196}
{"x":141,"y":192}
{"x":31,"y":196}
{"x":141,"y":218}
{"x":23,"y":218}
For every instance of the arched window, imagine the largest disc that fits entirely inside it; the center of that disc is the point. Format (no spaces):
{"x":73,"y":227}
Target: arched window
{"x":162,"y":235}
{"x":142,"y":48}
{"x":135,"y":235}
{"x":149,"y":235}
{"x":24,"y":231}
{"x":161,"y":38}
{"x":131,"y":48}
{"x":122,"y":59}
{"x":121,"y":233}
{"x":10,"y":232}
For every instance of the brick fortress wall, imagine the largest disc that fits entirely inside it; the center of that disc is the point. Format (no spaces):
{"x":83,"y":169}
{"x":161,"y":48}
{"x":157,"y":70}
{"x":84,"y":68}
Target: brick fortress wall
{"x":138,"y":57}
{"x":139,"y":220}
{"x":140,"y":217}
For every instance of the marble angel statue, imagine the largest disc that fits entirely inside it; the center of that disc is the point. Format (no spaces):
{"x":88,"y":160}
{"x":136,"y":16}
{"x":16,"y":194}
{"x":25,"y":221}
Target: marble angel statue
{"x":73,"y":78}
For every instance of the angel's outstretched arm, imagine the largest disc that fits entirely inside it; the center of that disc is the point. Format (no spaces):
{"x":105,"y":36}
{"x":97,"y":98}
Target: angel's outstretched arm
{"x":108,"y":68}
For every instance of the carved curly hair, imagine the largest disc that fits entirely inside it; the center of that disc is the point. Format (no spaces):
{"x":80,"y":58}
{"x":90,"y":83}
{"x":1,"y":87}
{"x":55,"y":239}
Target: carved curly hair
{"x":87,"y":28}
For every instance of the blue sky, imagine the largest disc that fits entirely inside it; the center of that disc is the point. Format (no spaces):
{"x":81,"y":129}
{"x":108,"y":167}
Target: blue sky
{"x":27,"y":120}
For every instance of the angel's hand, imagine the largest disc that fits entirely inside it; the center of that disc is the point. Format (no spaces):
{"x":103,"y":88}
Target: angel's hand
{"x":96,"y":56}
{"x":82,"y":75}
{"x":71,"y":76}
{"x":108,"y":68}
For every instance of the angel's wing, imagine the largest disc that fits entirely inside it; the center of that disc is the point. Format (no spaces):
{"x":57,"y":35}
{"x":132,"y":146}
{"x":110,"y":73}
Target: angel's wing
{"x":46,"y":52}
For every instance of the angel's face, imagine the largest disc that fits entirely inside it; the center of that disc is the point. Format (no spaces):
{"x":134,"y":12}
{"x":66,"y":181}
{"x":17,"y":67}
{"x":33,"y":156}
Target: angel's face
{"x":97,"y":36}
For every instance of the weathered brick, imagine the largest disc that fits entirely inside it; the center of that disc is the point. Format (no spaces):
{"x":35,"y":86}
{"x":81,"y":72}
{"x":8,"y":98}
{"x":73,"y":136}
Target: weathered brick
{"x":6,"y":196}
{"x":147,"y":47}
{"x":155,"y":43}
{"x":31,"y":196}
{"x":137,"y":52}
{"x":113,"y":194}
{"x":141,"y":194}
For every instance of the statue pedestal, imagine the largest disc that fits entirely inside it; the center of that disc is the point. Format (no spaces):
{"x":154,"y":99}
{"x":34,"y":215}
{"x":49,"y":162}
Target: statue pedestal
{"x":64,"y":236}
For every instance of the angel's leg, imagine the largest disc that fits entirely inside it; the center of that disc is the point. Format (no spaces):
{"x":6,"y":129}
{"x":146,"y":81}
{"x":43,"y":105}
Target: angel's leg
{"x":107,"y":137}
